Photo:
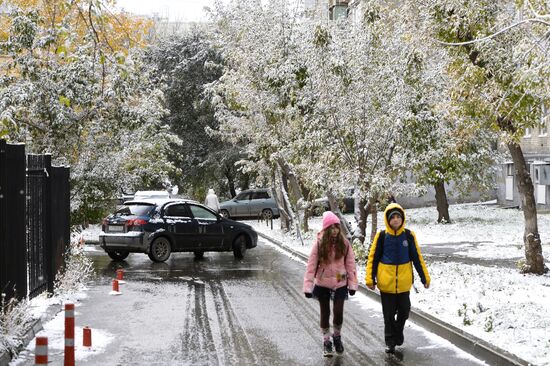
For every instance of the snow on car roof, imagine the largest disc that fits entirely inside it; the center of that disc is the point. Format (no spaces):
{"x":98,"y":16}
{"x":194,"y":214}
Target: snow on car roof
{"x":158,"y":201}
{"x":152,"y":193}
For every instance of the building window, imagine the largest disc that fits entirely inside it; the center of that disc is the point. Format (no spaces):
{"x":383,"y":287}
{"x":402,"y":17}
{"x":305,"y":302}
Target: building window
{"x":509,"y":169}
{"x":527,"y":133}
{"x":543,"y":130}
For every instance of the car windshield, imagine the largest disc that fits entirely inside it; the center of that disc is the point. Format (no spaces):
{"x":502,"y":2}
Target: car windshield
{"x":138,"y":209}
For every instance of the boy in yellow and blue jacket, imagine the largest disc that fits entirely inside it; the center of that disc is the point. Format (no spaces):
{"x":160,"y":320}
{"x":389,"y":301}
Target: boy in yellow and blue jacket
{"x":392,"y":255}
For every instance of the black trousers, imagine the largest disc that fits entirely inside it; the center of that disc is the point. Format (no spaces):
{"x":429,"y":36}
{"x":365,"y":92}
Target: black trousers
{"x":396,"y":308}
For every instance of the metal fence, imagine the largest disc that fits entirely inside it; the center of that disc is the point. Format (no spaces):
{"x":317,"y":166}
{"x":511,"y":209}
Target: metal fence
{"x":34,"y":221}
{"x":13,"y":252}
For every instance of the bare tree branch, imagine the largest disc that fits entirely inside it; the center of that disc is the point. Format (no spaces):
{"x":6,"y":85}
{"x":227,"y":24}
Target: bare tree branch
{"x":531,"y":20}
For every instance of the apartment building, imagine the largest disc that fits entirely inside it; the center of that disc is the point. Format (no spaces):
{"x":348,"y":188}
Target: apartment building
{"x":536,"y":150}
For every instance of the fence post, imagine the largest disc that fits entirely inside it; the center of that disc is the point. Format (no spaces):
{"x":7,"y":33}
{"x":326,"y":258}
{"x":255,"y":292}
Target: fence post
{"x":59,"y":218}
{"x":13,"y":274}
{"x":47,"y":220}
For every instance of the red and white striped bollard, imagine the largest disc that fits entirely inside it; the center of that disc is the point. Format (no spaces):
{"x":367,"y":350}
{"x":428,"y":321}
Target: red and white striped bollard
{"x":41,"y":351}
{"x":69,"y":335}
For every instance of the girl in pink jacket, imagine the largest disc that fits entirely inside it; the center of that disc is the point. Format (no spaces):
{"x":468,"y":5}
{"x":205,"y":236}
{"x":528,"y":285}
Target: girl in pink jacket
{"x":331,"y":274}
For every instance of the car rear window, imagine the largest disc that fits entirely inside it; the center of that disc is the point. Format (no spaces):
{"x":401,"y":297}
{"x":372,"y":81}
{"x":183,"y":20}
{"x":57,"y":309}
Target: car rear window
{"x":138,"y":209}
{"x":260,"y":195}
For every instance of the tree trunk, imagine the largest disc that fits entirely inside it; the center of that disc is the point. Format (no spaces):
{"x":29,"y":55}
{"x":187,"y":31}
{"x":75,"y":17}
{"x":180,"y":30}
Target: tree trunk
{"x":534,"y":261}
{"x":230,"y":182}
{"x":293,"y":187}
{"x":361,"y":215}
{"x":281,"y":198}
{"x":442,"y":203}
{"x":305,"y":223}
{"x":334,"y":207}
{"x":308,"y":212}
{"x":374,"y":213}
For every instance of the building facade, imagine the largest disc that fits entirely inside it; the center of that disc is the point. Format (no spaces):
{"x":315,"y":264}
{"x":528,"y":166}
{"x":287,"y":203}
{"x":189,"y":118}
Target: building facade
{"x":536,"y":150}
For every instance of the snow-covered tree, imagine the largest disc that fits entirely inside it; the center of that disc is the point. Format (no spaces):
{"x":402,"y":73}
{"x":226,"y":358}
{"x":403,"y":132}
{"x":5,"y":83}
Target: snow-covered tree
{"x":360,"y":98}
{"x":185,"y":65}
{"x":255,"y":99}
{"x":501,"y":75}
{"x":444,"y":147}
{"x":90,"y":105}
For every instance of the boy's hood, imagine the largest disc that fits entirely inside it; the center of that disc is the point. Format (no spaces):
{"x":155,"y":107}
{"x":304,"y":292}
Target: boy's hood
{"x":390,"y":207}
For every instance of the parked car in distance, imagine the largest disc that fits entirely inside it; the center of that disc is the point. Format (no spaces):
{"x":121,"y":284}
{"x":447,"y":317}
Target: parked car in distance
{"x":141,"y":195}
{"x":346,"y":202}
{"x":251,"y":203}
{"x":159,"y":227}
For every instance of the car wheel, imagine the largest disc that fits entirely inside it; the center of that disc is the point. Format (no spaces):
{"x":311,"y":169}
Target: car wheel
{"x":267,"y":214}
{"x":199,"y":254}
{"x":160,"y":249}
{"x":239,"y":246}
{"x":224,"y":213}
{"x":118,"y":255}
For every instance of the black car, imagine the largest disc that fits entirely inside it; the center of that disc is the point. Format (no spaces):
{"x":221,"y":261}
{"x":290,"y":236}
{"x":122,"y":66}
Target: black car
{"x":160,"y":227}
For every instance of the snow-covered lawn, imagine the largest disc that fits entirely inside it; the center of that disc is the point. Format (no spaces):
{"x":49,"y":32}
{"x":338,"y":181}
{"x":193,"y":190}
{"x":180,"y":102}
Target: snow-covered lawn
{"x":475,"y":283}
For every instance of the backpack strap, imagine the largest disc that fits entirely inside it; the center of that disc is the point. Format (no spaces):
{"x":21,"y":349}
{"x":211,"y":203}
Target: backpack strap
{"x":380,"y":242}
{"x":410,"y":240}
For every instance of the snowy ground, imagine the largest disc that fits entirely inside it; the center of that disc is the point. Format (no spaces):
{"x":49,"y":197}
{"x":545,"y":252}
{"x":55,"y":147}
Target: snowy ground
{"x":475,"y":283}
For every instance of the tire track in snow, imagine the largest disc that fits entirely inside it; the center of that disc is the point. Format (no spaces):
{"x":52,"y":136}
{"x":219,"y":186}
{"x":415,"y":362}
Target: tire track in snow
{"x":358,"y":356}
{"x":197,"y":343}
{"x":236,"y":346}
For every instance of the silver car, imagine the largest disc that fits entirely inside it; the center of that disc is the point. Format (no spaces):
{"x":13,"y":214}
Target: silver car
{"x":251,"y":203}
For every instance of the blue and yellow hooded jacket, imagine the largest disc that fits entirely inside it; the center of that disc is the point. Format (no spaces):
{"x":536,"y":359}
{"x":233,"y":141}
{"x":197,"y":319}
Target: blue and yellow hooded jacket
{"x":390,"y":265}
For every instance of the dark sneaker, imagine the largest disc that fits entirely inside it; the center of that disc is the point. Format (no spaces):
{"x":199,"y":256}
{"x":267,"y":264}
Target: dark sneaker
{"x":327,"y":349}
{"x":338,"y":346}
{"x":390,"y":349}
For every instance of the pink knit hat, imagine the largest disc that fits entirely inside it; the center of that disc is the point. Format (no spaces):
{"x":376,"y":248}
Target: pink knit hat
{"x":329,"y":218}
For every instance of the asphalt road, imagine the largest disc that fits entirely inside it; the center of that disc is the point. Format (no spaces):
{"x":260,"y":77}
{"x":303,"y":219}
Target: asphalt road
{"x":223,"y":311}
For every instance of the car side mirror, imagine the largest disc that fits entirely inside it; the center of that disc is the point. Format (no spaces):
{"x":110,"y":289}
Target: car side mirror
{"x":235,"y":200}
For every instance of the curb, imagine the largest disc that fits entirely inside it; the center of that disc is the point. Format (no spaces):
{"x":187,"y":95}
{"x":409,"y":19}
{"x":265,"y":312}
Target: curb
{"x":34,"y":327}
{"x":477,"y":347}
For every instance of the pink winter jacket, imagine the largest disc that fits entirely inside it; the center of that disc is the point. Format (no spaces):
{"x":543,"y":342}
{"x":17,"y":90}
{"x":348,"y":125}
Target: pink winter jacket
{"x":333,"y":275}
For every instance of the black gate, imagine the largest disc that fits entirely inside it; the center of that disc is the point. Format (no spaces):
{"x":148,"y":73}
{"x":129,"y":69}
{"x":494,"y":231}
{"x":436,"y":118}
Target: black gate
{"x":13,"y":252}
{"x":34,"y":221}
